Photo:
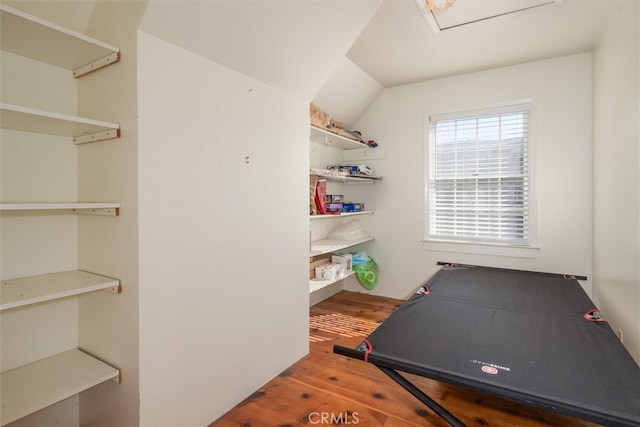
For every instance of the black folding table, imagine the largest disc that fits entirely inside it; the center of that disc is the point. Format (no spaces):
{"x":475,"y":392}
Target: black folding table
{"x":531,"y":337}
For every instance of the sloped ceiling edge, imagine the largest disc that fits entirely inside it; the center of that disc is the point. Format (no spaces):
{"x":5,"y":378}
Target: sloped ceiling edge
{"x":292,"y":45}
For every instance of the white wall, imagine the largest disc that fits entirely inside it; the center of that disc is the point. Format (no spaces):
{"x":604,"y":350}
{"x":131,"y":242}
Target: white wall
{"x":223,"y":234}
{"x":347,"y":93}
{"x":616,"y":249}
{"x":561,"y":160}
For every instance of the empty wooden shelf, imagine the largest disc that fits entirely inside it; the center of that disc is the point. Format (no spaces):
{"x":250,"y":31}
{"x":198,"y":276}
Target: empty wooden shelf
{"x":92,"y":208}
{"x":81,"y":129}
{"x":35,"y":386}
{"x":27,"y":35}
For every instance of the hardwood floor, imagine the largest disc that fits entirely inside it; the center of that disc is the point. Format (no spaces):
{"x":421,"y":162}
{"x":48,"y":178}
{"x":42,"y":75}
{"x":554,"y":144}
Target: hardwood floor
{"x":327,"y":389}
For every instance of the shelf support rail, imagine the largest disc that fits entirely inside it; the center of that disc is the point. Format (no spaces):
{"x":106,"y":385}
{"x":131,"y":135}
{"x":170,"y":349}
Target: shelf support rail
{"x":116,"y":289}
{"x":97,"y":212}
{"x":95,"y":137}
{"x":96,"y":65}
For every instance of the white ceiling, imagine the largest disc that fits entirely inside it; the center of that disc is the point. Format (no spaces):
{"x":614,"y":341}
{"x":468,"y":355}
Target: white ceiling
{"x":477,"y":11}
{"x":397,"y":46}
{"x":341,"y":53}
{"x":293,"y":45}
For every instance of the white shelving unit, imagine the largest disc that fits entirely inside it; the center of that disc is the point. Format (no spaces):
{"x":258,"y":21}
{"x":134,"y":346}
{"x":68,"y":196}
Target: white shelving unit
{"x":37,"y":385}
{"x":46,"y":287}
{"x":319,"y":247}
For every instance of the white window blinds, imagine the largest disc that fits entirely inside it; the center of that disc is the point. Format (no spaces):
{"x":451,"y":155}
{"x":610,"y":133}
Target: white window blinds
{"x":478,"y":175}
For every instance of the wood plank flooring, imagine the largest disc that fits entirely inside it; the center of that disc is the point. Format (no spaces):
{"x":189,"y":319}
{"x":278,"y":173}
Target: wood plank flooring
{"x":327,"y":389}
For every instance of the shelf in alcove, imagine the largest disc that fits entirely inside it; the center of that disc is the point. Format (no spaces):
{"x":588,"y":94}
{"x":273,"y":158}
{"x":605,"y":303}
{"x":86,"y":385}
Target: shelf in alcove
{"x":340,"y":215}
{"x":27,"y":35}
{"x":80,"y":129}
{"x":25,"y":291}
{"x":317,"y":284}
{"x":325,"y":246}
{"x":35,"y":386}
{"x":349,"y":179}
{"x":81,"y":208}
{"x":323,"y":136}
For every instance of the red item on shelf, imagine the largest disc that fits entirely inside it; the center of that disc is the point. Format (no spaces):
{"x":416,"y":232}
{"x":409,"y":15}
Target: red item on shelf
{"x":321,"y":192}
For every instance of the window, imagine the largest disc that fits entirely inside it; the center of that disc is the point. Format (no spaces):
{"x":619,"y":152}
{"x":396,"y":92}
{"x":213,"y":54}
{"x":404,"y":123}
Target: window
{"x":478,"y":176}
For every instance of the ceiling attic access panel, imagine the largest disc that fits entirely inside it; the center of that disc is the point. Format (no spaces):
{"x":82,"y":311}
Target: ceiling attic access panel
{"x":465,"y":12}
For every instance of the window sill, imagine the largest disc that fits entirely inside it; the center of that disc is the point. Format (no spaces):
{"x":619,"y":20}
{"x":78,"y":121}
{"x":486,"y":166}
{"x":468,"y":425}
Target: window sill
{"x":481,"y":248}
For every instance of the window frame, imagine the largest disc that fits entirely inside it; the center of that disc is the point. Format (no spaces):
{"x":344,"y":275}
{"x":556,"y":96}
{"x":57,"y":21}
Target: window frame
{"x":529,"y":249}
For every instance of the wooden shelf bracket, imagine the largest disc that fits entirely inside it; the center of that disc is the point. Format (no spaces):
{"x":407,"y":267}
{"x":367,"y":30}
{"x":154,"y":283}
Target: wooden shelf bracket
{"x":117,"y":289}
{"x":96,"y":65}
{"x":98,"y":212}
{"x":98,"y":136}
